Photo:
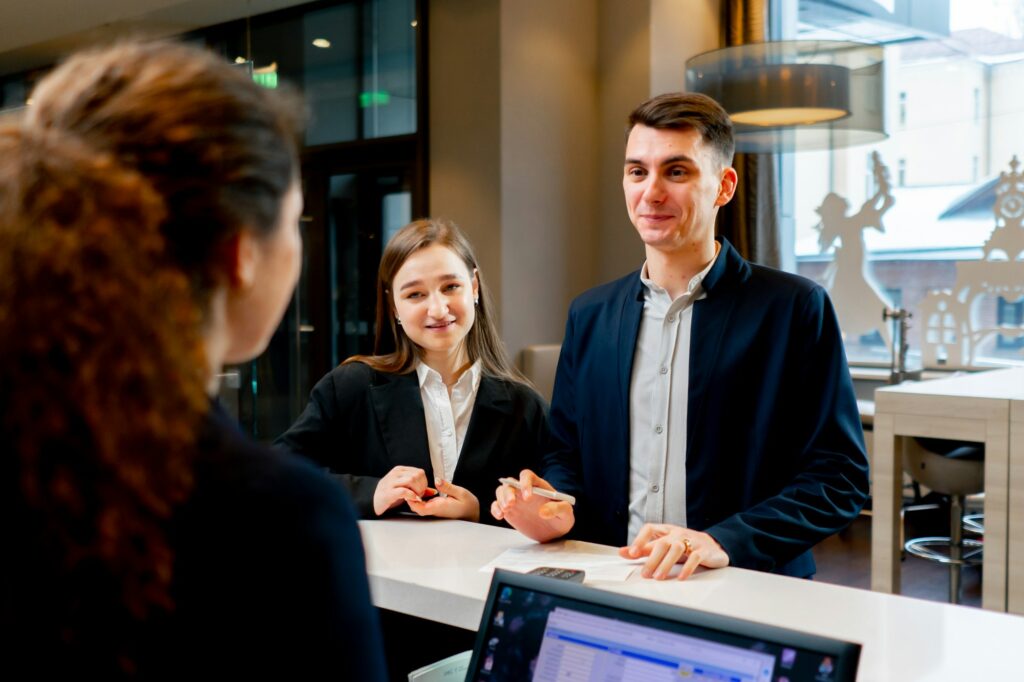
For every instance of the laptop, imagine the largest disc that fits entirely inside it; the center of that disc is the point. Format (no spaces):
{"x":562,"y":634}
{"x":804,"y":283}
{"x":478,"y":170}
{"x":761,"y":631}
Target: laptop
{"x":547,"y":630}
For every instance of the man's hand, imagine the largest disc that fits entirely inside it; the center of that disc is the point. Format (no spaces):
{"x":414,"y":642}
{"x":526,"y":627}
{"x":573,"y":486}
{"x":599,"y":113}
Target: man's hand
{"x":666,"y":545}
{"x":536,"y":517}
{"x":458,"y":503}
{"x":401,"y":484}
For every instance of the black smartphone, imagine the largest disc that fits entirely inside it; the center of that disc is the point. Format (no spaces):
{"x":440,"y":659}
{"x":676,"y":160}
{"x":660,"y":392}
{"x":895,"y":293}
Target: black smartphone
{"x":559,"y":573}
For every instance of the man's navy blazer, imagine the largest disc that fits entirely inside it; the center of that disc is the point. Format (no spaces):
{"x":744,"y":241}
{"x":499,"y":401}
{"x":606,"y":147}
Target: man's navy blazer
{"x":775,"y":458}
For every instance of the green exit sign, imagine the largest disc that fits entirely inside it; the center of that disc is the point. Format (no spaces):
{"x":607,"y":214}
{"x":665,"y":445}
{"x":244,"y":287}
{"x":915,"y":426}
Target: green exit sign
{"x":267,"y":80}
{"x":377,"y":98}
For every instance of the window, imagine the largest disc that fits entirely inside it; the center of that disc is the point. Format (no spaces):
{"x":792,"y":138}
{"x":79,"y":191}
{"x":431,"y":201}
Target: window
{"x":1010,"y":316}
{"x":947,"y":238}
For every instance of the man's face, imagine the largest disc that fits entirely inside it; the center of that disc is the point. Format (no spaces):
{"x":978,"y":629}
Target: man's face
{"x":674,"y":184}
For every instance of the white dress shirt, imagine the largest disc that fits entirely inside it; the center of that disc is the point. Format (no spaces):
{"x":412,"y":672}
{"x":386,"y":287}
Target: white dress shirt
{"x":658,"y":396}
{"x":447,"y":416}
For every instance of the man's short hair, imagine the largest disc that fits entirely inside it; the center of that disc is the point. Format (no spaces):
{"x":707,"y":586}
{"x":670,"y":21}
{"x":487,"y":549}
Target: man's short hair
{"x":689,"y":110}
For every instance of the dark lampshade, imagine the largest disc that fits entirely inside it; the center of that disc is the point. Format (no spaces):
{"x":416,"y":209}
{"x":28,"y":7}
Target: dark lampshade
{"x":791,"y":95}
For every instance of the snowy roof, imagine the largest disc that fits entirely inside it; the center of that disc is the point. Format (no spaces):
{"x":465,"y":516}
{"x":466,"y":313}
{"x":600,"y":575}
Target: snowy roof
{"x":980,"y":44}
{"x":914,"y":224}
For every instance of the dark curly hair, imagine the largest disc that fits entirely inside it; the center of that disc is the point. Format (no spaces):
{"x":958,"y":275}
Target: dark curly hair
{"x":102,"y":395}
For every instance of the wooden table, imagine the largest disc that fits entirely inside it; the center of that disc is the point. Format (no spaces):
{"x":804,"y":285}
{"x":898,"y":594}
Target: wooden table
{"x":972,"y":407}
{"x":431,"y":569}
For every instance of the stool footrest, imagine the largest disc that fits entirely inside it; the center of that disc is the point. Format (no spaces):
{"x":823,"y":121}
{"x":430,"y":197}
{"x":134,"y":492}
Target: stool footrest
{"x":929,"y":548}
{"x":975,"y":523}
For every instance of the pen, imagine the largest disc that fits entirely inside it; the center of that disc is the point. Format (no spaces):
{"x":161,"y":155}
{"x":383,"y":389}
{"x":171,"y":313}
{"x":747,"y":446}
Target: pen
{"x":543,"y":492}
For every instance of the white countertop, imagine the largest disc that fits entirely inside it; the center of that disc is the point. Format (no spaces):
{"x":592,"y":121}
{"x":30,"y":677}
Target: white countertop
{"x":996,"y":384}
{"x":430,"y":568}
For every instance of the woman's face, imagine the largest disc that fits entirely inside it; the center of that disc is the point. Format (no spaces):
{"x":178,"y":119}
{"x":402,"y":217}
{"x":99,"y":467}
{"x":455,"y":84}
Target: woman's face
{"x":275,"y":261}
{"x":434,"y":295}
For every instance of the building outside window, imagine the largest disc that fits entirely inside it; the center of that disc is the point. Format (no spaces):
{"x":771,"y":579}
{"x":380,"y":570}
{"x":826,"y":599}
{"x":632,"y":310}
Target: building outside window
{"x":936,"y":240}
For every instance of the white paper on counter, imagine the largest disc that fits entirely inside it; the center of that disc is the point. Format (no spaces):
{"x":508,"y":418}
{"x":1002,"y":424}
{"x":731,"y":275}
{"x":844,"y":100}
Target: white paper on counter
{"x":598,"y":565}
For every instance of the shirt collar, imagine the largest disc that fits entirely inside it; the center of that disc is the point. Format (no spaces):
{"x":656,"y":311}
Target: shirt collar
{"x":694,"y":287}
{"x":469,"y":380}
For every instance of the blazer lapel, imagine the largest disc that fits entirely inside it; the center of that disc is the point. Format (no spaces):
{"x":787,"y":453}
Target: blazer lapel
{"x":403,"y":426}
{"x":492,"y":405}
{"x":711,"y":317}
{"x":629,"y":327}
{"x":616,"y":451}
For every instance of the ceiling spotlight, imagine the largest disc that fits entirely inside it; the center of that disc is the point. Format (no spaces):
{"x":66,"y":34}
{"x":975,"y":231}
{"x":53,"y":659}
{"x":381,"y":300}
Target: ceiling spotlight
{"x":322,"y":42}
{"x":414,"y":23}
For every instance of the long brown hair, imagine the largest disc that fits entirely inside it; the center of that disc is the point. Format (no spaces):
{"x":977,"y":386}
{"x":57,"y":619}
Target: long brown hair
{"x":220,"y":150}
{"x":394,"y":352}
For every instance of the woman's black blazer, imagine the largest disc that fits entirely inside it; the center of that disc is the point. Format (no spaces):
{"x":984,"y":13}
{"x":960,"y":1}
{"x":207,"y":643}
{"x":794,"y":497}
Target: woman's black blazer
{"x":360,"y":423}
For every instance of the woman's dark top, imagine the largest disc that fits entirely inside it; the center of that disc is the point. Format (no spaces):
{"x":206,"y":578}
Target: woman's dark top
{"x":269,"y":578}
{"x":361,"y":423}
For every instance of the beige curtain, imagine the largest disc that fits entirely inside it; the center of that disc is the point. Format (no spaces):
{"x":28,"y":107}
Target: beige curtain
{"x":750,"y":221}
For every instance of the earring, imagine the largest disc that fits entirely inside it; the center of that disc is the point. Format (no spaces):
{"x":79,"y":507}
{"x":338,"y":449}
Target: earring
{"x":398,"y":321}
{"x":476,"y":301}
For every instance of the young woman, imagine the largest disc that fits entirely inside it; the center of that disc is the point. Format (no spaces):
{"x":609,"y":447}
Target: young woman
{"x":436,"y":415}
{"x":149,"y":207}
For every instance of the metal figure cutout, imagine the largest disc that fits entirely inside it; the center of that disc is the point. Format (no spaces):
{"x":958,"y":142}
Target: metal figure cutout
{"x":856,"y":295}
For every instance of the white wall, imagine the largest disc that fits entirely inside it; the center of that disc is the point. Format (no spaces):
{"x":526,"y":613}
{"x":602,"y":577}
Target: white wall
{"x":680,"y":29}
{"x":548,"y":135}
{"x":465,"y":126}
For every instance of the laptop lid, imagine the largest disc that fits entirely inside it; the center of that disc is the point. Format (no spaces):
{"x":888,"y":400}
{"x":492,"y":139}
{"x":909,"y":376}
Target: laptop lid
{"x":547,"y":630}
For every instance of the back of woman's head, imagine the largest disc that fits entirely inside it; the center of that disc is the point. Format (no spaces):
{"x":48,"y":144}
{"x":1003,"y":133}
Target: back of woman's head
{"x":394,"y":351}
{"x":101,"y":398}
{"x":219,"y":150}
{"x":120,"y":192}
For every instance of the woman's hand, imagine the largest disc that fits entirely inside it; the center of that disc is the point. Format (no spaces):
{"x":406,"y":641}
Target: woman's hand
{"x":536,"y":517}
{"x":401,"y":484}
{"x":666,"y":545}
{"x":457,"y":503}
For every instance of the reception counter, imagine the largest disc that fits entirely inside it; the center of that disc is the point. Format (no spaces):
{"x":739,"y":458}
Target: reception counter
{"x":431,"y":569}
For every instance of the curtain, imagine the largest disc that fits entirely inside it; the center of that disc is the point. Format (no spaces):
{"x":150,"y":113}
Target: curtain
{"x":751,"y":221}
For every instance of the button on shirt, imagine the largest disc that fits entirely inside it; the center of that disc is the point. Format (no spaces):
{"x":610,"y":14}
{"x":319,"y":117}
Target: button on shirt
{"x":658,"y":405}
{"x":447,"y":417}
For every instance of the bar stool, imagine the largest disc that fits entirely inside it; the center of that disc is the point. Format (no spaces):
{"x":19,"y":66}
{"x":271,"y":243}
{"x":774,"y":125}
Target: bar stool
{"x":957,"y":472}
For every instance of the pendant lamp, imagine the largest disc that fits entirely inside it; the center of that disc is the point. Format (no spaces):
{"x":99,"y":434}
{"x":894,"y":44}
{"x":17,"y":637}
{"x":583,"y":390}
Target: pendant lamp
{"x":796,"y":95}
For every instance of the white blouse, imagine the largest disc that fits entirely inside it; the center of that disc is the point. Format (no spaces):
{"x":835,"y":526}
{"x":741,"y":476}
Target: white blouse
{"x":447,"y":417}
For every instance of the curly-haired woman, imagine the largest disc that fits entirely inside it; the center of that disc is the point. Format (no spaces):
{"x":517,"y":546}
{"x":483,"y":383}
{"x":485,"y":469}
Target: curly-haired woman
{"x":149,"y":205}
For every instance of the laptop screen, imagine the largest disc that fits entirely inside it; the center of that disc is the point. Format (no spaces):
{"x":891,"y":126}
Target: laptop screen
{"x":537,"y":628}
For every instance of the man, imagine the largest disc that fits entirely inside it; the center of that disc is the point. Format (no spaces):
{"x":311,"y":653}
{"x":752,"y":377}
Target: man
{"x":703,"y":409}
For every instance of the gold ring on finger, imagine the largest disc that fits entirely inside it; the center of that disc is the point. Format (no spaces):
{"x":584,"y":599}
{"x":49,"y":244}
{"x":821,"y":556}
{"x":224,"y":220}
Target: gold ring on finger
{"x":687,"y":547}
